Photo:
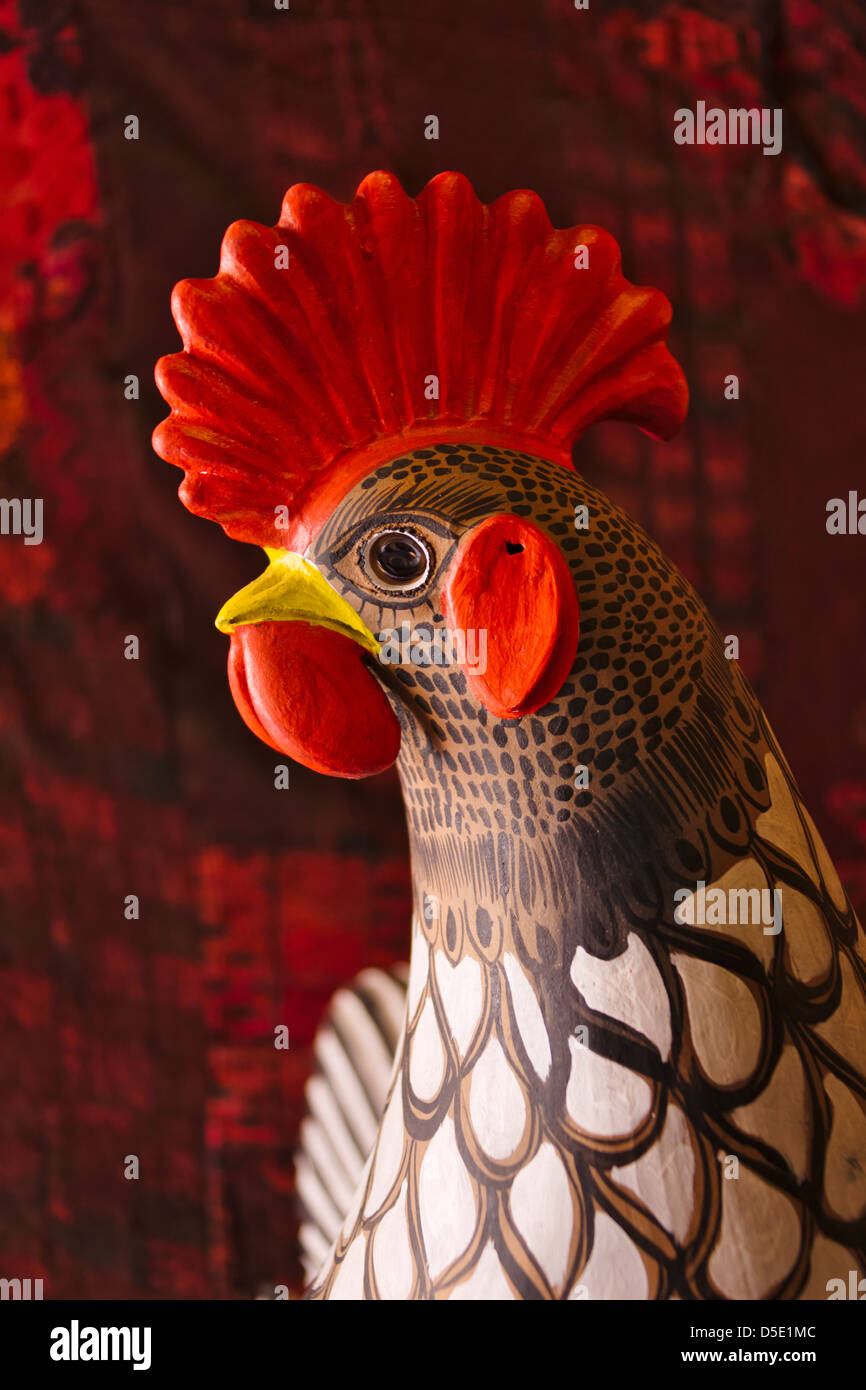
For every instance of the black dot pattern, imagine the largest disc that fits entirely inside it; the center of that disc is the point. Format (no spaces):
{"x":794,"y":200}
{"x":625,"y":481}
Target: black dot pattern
{"x":650,"y":716}
{"x":648,"y":772}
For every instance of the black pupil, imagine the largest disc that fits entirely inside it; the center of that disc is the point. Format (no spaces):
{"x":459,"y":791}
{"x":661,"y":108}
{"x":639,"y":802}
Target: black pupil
{"x":398,"y":558}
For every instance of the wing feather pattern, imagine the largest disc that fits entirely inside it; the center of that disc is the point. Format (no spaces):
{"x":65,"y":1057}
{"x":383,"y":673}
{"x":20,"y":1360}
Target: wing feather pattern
{"x":355,"y":1051}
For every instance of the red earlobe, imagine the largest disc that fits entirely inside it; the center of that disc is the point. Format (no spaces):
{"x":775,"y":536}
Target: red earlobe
{"x":511,"y":581}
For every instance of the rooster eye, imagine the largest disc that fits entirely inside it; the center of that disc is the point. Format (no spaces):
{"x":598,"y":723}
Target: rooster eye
{"x":398,"y":560}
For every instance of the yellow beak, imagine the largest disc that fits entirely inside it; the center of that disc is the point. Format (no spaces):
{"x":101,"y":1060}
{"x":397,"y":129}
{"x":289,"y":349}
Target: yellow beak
{"x":293,"y":589}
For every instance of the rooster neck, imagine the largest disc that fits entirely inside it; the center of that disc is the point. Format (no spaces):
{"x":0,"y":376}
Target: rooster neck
{"x":497,"y":906}
{"x":493,"y":870}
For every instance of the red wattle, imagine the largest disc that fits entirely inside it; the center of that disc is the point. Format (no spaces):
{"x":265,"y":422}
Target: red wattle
{"x":304,"y":690}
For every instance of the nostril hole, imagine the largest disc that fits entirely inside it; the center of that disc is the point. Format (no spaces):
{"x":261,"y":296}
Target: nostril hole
{"x":513,"y":548}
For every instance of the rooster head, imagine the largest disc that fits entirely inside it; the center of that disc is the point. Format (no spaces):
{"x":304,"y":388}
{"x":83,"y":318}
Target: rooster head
{"x":384,"y":396}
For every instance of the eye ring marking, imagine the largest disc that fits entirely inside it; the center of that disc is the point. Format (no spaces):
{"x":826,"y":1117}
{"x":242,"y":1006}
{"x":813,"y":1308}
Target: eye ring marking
{"x":397,"y":560}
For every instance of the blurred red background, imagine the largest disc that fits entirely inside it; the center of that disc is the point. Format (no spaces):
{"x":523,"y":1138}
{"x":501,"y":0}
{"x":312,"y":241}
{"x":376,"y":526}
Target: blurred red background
{"x":155,"y":1037}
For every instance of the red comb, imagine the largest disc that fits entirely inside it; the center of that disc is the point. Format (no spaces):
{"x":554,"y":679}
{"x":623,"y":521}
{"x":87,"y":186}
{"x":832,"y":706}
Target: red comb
{"x":295,"y":380}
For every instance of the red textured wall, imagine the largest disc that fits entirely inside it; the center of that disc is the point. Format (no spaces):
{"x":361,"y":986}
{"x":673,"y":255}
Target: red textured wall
{"x":154,"y":1036}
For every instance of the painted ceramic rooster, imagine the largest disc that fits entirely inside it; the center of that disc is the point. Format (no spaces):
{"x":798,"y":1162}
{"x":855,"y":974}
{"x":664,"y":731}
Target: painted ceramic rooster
{"x":629,"y":1062}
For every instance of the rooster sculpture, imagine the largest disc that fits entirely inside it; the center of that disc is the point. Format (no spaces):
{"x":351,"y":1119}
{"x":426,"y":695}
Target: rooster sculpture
{"x":627,"y":1062}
